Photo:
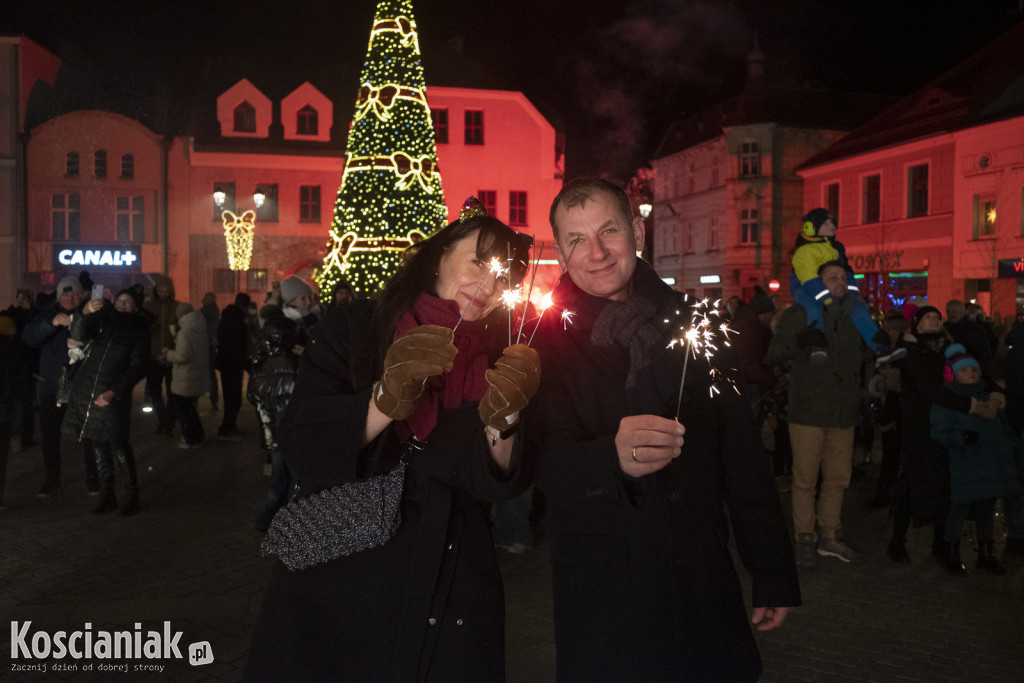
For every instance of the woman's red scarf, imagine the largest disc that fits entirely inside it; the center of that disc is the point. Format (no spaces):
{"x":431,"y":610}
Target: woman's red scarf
{"x":465,"y":381}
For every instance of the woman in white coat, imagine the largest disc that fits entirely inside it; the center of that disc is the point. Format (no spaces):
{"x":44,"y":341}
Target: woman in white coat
{"x":190,"y":378}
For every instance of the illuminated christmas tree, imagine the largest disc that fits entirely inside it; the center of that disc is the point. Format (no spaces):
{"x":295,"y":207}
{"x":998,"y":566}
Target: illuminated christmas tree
{"x":390,"y":192}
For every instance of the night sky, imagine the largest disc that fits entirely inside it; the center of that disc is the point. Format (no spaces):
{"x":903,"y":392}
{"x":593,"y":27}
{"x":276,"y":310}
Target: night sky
{"x":611,"y":75}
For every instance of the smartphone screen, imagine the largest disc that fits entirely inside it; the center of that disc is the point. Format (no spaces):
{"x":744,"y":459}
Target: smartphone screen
{"x":97,"y":291}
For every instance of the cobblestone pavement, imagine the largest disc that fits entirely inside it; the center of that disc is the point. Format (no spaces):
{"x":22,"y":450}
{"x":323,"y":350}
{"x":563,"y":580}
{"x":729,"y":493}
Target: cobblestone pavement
{"x":191,"y":559}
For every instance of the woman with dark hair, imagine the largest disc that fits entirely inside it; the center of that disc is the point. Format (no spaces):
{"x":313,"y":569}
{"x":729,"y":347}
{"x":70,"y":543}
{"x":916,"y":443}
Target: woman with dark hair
{"x":421,"y":367}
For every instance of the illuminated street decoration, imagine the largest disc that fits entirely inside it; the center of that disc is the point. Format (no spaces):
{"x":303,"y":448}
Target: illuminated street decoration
{"x":238,"y":232}
{"x":390,"y":195}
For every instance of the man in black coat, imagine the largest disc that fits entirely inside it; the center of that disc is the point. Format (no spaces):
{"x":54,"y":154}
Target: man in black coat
{"x":644,"y":584}
{"x":232,"y":361}
{"x":49,"y":333}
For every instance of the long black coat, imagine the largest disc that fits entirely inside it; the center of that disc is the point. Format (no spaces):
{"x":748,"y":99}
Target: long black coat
{"x":429,"y":604}
{"x":117,"y":361}
{"x":925,"y":462}
{"x":644,"y":584}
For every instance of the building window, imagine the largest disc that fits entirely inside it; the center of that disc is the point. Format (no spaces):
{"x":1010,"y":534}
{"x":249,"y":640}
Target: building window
{"x":489,"y":198}
{"x":309,"y":203}
{"x":714,"y":172}
{"x":71,"y":168}
{"x":748,"y":226}
{"x":750,"y":159}
{"x":871,"y":202}
{"x":689,"y":239}
{"x":229,"y":199}
{"x":832,"y":199}
{"x":268,"y":212}
{"x":917,"y":191}
{"x":131,"y":219}
{"x":245,"y":118}
{"x":516,"y":208}
{"x":99,"y":163}
{"x":712,"y":234}
{"x":984,"y":216}
{"x":307,"y":121}
{"x":439,"y":117}
{"x":223,"y":280}
{"x":256,"y":280}
{"x":474,"y":127}
{"x":66,"y":218}
{"x":127,"y":166}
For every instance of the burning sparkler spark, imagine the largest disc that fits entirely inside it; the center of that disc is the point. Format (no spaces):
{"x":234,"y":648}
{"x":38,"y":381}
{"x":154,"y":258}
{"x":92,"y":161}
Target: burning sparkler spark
{"x":567,"y":317}
{"x":701,"y":338}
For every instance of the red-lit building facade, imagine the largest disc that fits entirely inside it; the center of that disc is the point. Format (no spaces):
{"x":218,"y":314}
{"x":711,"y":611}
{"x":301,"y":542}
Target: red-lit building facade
{"x":105,"y":193}
{"x":727,"y":198}
{"x":929,"y":194}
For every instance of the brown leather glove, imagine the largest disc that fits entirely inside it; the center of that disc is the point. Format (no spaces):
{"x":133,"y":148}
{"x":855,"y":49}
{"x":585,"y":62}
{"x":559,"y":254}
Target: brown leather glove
{"x":512,"y":382}
{"x":422,"y":352}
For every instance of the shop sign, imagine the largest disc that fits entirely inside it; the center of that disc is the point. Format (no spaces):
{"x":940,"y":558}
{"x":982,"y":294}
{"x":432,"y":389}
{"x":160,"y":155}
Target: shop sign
{"x":1011,"y":267}
{"x":88,"y":256}
{"x":882,"y":261}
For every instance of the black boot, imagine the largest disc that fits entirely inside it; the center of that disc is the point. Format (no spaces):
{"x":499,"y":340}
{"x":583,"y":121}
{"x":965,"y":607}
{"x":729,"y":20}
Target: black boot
{"x":987,"y":559}
{"x":952,"y":560}
{"x":125,"y":459}
{"x":108,"y":502}
{"x":897,"y":550}
{"x":105,"y":474}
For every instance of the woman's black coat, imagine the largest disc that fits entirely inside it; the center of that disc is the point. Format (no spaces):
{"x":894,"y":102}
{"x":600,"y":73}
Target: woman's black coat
{"x":117,"y":360}
{"x":925,"y":462}
{"x":429,"y":604}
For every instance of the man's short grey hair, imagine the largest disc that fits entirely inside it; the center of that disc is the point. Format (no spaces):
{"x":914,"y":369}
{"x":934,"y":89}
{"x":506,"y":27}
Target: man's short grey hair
{"x":577,"y":191}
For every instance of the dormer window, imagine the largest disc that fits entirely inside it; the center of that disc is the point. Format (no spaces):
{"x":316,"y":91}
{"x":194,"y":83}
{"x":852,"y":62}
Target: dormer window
{"x":307,"y":121}
{"x":245,"y":118}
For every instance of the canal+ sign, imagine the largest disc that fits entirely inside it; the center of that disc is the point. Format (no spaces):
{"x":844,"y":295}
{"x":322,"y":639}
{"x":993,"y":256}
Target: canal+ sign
{"x":88,"y":256}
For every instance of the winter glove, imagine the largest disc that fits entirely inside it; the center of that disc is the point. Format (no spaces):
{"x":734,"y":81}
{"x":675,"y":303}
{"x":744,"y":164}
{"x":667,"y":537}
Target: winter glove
{"x":420,"y":353}
{"x":810,"y":337}
{"x":970,"y":437}
{"x":511,"y":383}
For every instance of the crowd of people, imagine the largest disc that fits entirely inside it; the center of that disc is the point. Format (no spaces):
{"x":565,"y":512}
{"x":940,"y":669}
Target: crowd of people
{"x":645,"y":471}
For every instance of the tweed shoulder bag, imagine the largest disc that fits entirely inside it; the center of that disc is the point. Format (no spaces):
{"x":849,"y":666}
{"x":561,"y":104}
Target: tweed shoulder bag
{"x":338,"y":521}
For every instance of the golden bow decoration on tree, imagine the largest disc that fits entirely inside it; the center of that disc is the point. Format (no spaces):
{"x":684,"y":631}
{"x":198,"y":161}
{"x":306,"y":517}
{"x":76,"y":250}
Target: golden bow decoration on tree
{"x":378,"y":100}
{"x":238,"y":233}
{"x":402,"y":25}
{"x":410,"y":170}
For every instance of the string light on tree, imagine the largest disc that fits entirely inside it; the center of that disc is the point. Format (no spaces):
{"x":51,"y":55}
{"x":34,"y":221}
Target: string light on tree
{"x":390,"y":195}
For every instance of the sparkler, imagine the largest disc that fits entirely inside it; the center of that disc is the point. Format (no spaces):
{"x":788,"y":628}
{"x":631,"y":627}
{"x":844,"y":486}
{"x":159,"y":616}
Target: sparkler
{"x":529,"y":294}
{"x":700,"y":339}
{"x":509,"y":298}
{"x":567,"y":317}
{"x":543,"y":305}
{"x":498,"y":272}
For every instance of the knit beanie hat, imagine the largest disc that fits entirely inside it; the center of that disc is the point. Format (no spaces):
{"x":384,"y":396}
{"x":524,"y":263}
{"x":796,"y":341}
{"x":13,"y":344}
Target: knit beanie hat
{"x":760,"y":301}
{"x":919,"y":314}
{"x":814,"y":219}
{"x":85,"y":279}
{"x":294,"y":287}
{"x":136,"y":292}
{"x":957,"y":359}
{"x":69,"y":284}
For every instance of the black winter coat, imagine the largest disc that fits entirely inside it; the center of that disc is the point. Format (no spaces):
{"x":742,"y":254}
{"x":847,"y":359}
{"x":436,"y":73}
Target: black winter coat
{"x":644,"y":583}
{"x":925,"y":462}
{"x":232,"y":339}
{"x":272,"y":374}
{"x":117,"y":360}
{"x":429,"y":604}
{"x":52,"y":342}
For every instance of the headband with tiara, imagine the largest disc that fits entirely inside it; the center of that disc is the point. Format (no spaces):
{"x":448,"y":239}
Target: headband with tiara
{"x":471,"y":208}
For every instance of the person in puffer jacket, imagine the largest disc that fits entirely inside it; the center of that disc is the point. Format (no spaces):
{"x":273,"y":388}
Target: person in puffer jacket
{"x":100,"y":405}
{"x":190,"y":377}
{"x":275,"y":364}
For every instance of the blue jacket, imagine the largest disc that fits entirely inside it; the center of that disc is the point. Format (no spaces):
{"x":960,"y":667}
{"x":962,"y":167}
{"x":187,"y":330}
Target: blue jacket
{"x":984,"y":469}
